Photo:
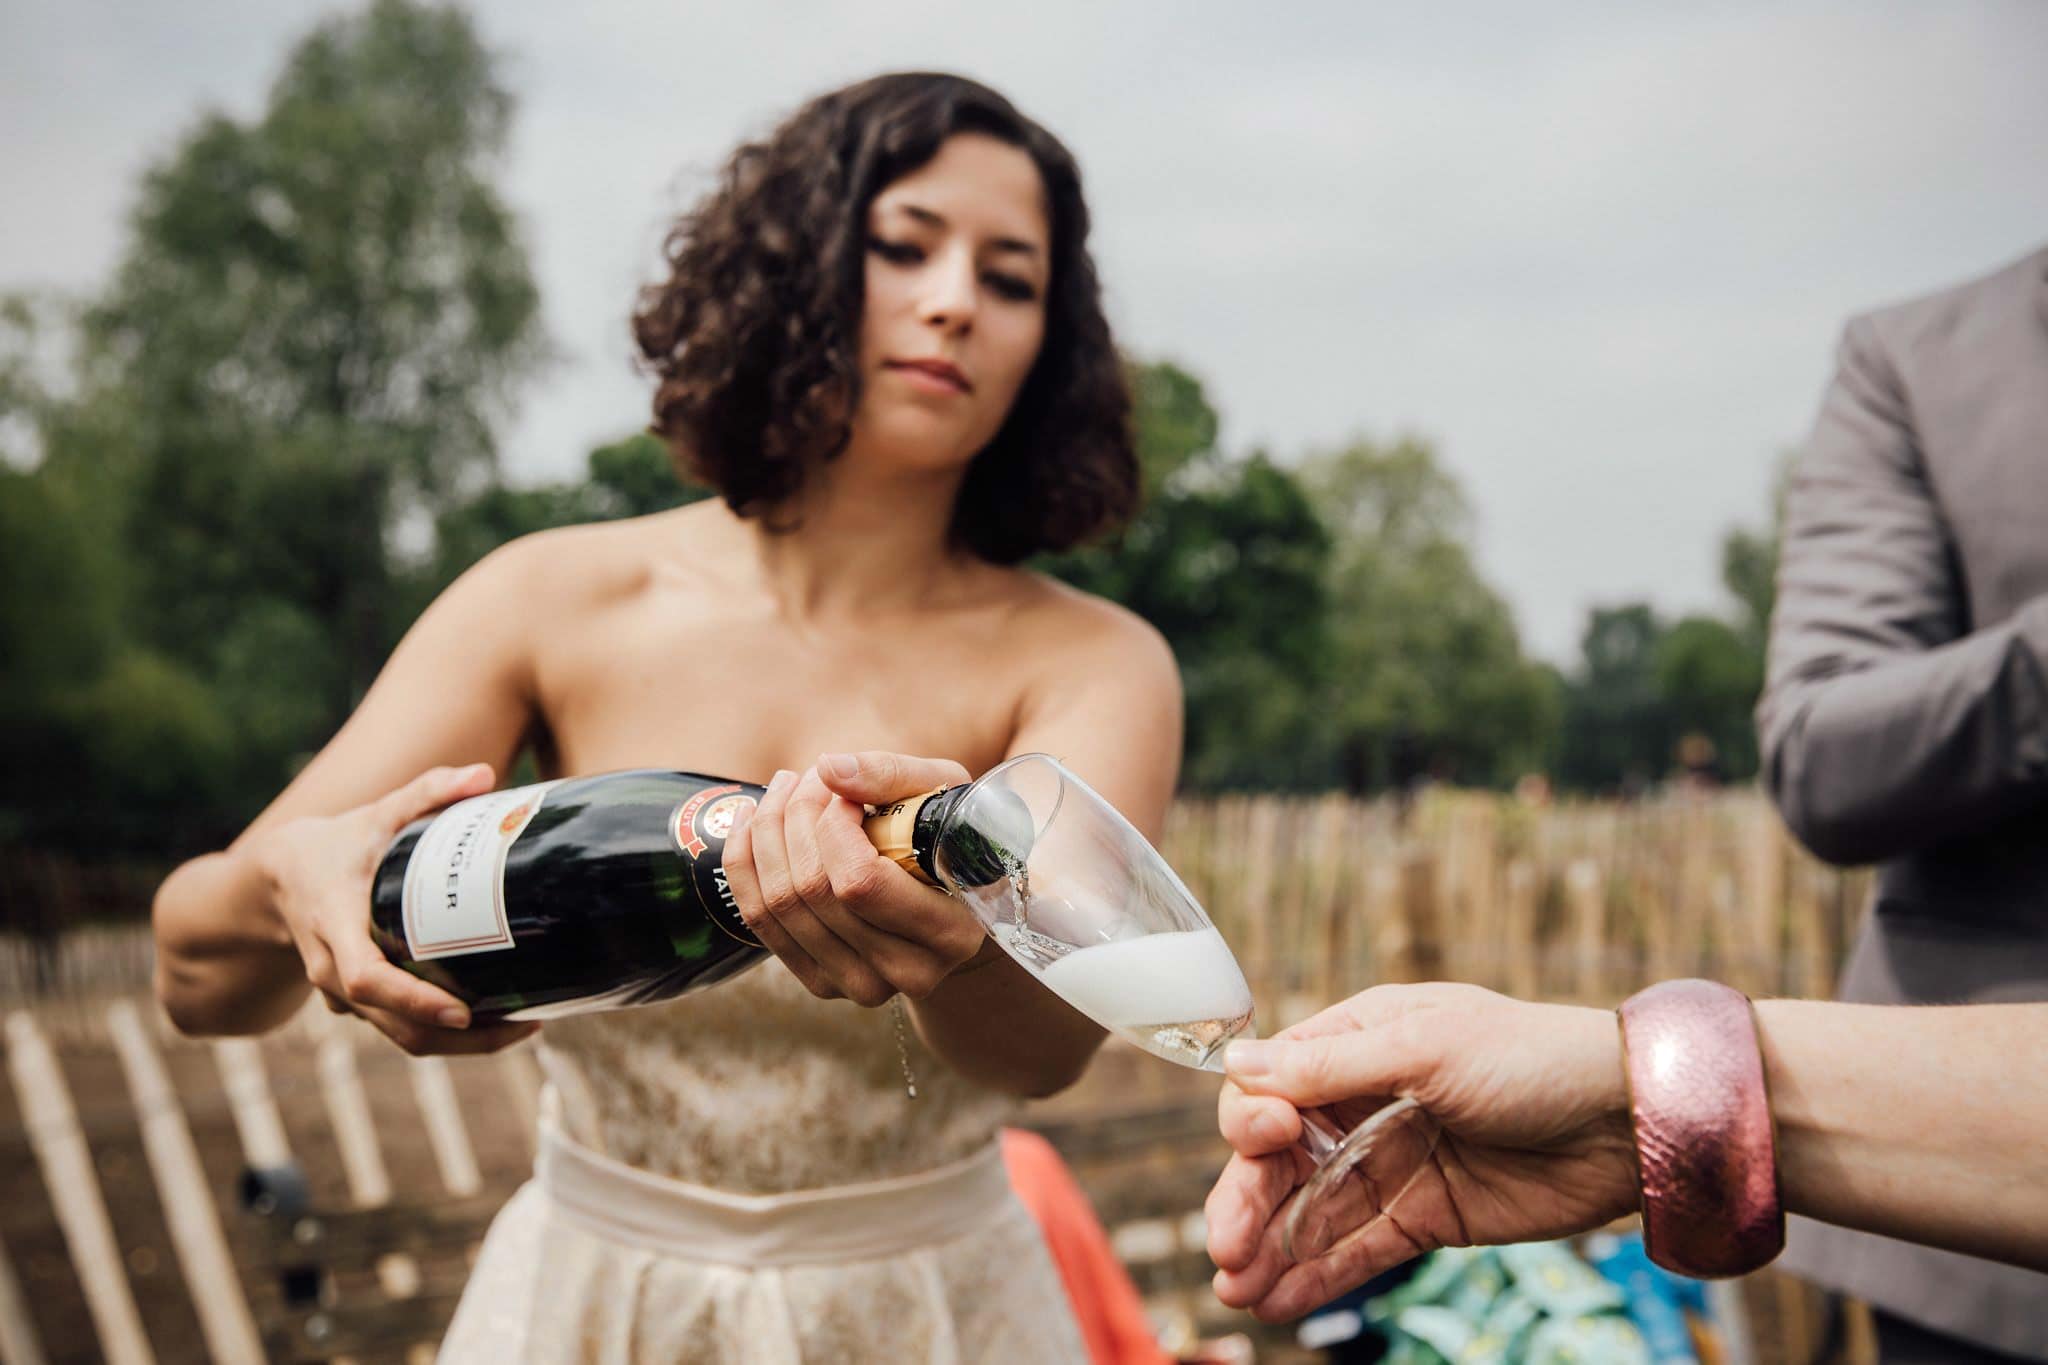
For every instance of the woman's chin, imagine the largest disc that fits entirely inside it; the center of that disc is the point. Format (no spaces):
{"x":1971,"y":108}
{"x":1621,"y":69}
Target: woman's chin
{"x":911,"y":442}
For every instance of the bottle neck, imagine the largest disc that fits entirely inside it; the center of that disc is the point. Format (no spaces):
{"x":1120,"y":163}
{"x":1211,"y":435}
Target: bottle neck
{"x":906,"y":832}
{"x":909,"y":832}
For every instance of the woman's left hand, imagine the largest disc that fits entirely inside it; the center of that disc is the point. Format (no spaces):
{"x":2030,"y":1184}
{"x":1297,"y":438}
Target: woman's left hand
{"x":846,"y":921}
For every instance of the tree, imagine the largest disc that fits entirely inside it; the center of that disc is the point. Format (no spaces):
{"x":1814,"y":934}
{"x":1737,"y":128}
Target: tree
{"x":1228,"y":559}
{"x":319,"y":319}
{"x":635,"y":477}
{"x":1708,"y":676}
{"x":1617,"y":731}
{"x":1426,"y":674}
{"x":630,"y":477}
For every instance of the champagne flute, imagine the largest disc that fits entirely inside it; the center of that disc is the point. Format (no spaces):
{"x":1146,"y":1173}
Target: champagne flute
{"x":1079,"y":898}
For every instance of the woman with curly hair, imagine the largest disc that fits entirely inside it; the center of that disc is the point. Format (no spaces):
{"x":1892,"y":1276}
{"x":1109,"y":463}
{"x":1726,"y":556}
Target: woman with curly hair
{"x":880,"y":339}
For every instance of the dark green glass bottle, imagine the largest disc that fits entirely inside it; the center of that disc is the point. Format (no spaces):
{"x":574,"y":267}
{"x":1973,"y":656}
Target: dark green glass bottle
{"x":601,"y":892}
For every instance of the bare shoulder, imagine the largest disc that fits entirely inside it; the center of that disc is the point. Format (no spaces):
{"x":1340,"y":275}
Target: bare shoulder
{"x":1088,"y":640}
{"x":569,"y":571}
{"x":1102,"y":692}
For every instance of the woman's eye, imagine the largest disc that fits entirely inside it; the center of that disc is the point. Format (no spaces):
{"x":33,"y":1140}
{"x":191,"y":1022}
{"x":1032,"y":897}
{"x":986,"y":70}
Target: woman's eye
{"x":897,"y":253}
{"x":1013,"y":288}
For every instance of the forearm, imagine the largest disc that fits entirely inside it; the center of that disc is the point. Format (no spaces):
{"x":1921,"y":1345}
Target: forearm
{"x":1919,"y":1123}
{"x":994,"y":1023}
{"x":1870,"y":763}
{"x":225,"y":963}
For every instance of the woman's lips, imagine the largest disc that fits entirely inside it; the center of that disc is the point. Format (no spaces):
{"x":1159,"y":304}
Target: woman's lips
{"x":935,"y":375}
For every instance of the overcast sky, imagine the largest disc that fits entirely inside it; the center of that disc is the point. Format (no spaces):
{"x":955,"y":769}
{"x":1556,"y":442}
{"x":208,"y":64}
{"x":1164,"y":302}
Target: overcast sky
{"x":1599,"y":253}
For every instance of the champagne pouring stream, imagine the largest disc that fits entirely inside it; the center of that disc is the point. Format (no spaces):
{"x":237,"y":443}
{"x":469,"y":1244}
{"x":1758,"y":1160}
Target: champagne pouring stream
{"x":1078,"y":897}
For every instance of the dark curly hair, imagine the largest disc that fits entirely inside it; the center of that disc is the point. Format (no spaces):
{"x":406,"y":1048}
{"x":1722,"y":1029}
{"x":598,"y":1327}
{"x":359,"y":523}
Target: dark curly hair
{"x":754,"y":335}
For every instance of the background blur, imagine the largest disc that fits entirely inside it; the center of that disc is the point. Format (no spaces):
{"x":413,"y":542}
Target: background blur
{"x":1471,"y":349}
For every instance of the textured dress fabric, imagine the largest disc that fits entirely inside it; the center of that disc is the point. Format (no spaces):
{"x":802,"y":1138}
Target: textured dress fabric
{"x":740,"y":1175}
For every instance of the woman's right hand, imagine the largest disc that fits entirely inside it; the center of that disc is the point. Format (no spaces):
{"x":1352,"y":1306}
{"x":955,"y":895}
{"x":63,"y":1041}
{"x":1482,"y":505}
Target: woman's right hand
{"x":318,"y":872}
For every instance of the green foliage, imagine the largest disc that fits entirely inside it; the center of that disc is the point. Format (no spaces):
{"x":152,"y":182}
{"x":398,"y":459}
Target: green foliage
{"x":1426,"y":671}
{"x":1651,"y":697}
{"x":1174,"y":425}
{"x":1229,"y":560}
{"x":1647,"y":688}
{"x":59,"y":609}
{"x":157,"y":747}
{"x":1330,"y":625}
{"x":1709,"y":677}
{"x":95,"y":733}
{"x":636,"y":477}
{"x":1617,"y":731}
{"x":630,"y":477}
{"x":320,"y":316}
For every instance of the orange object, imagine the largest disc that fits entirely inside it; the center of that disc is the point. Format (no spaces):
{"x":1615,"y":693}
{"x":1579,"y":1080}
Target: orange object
{"x":1105,"y":1302}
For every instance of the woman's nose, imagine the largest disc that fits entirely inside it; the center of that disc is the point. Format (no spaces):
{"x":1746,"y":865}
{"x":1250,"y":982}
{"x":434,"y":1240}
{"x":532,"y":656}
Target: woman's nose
{"x":948,"y":299}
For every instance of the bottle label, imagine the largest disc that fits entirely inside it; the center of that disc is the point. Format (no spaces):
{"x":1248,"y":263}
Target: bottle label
{"x":699,"y":828}
{"x":455,"y":879}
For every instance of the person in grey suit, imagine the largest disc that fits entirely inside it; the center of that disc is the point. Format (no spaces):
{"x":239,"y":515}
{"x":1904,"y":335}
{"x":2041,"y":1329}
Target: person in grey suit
{"x":1904,"y":721}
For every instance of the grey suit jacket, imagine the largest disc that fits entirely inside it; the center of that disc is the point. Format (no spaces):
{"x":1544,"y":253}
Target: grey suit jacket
{"x":1905,"y":718}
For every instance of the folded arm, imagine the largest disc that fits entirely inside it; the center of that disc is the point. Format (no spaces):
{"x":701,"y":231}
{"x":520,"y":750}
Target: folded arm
{"x":1887,"y":723}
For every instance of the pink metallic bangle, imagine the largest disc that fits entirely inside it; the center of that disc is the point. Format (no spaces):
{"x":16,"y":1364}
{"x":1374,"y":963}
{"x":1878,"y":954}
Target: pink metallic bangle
{"x":1705,"y":1148}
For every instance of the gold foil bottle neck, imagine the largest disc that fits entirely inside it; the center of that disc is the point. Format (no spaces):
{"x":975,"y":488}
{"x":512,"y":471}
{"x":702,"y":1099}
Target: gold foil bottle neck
{"x":892,"y":829}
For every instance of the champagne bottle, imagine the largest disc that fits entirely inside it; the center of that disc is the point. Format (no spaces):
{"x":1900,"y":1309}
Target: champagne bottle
{"x":594,"y":893}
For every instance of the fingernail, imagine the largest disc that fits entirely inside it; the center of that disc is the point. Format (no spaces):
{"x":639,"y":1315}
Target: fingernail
{"x":777,"y":784}
{"x":1248,"y":1061}
{"x":454,"y":1018}
{"x":844,"y":767}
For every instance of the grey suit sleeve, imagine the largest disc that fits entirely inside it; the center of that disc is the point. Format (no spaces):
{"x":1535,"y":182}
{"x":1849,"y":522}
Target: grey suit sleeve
{"x":1886,"y":724}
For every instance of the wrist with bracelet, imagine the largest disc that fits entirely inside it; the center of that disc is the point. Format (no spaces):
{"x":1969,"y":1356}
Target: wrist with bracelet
{"x":1706,"y":1150}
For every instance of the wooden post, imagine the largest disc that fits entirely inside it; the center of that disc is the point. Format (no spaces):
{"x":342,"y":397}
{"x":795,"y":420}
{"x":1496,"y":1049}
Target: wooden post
{"x":1425,"y":914}
{"x":1261,"y":828}
{"x":189,"y":1212}
{"x":355,"y":1134}
{"x":1655,"y":913}
{"x":1762,"y":914}
{"x":1812,"y":946}
{"x":19,"y":1344}
{"x":248,"y":1090}
{"x":453,"y":1154}
{"x":52,"y":1123}
{"x":1693,"y":899}
{"x":1518,"y":931}
{"x":1392,"y":939}
{"x":1338,"y":907}
{"x":1586,"y":913}
{"x":348,"y":1113}
{"x":1489,"y":914}
{"x":1319,"y":936}
{"x":1457,"y":908}
{"x":1288,"y":904}
{"x":1362,"y":965}
{"x":1795,"y":1313}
